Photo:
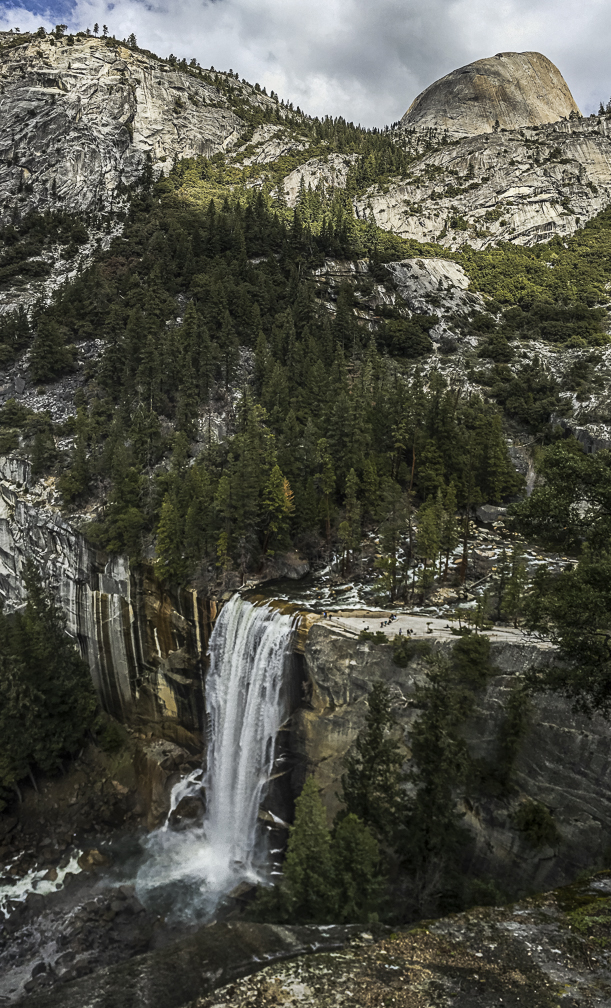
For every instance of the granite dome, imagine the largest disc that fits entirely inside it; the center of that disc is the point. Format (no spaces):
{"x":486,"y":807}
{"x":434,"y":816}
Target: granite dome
{"x":509,"y":89}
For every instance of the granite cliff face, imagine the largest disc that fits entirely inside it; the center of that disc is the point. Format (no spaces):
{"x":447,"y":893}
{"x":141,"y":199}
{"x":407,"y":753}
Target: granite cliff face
{"x":508,"y":90}
{"x":144,"y":646}
{"x":523,"y":186}
{"x":78,"y":121}
{"x":562,"y":762}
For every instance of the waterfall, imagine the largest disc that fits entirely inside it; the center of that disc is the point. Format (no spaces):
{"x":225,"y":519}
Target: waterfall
{"x":188,"y":871}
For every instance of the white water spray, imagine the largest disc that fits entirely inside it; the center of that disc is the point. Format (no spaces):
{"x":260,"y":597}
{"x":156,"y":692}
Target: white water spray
{"x":191,"y":870}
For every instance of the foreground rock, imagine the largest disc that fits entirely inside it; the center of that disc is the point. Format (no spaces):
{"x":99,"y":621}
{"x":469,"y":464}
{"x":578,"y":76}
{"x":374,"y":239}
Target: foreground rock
{"x":192,"y":967}
{"x":507,"y":91}
{"x":545,"y":952}
{"x":54,"y":939}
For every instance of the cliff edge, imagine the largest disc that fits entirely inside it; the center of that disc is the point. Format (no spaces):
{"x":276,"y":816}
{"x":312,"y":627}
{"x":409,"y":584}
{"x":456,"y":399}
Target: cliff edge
{"x":508,"y":90}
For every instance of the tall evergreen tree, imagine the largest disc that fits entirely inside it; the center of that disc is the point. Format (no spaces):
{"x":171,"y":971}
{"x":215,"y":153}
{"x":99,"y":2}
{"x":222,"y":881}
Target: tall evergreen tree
{"x":308,"y":866}
{"x":47,"y":697}
{"x":50,"y":355}
{"x":373,"y":784}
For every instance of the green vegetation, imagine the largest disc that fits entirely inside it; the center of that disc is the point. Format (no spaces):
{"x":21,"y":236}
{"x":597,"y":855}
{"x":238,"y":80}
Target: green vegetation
{"x":593,"y":916}
{"x":405,"y":649}
{"x":329,"y":432}
{"x":571,"y":511}
{"x":414,"y":817}
{"x":375,"y":636}
{"x":47,"y":702}
{"x":23,"y":242}
{"x":372,"y":787}
{"x":328,"y":876}
{"x":537,"y":824}
{"x":497,"y":778}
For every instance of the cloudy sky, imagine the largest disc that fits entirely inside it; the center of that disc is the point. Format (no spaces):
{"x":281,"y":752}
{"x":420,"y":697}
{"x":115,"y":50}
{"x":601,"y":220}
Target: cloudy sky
{"x":362,"y":59}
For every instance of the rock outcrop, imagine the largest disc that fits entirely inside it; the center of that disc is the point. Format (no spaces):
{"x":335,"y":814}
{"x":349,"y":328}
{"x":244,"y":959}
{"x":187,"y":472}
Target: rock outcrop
{"x":173,"y":976}
{"x":330,"y":170}
{"x":563,"y":759}
{"x":508,"y":90}
{"x":144,"y":646}
{"x":79,"y":121}
{"x":523,"y":186}
{"x":488,"y":957}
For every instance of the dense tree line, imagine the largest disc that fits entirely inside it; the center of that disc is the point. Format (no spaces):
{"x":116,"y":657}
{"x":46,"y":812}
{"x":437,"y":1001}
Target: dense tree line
{"x":329,"y":429}
{"x":211,"y":306}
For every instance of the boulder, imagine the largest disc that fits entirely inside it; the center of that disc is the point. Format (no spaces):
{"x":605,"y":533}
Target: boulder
{"x":92,"y":859}
{"x":287,"y":565}
{"x":189,"y":812}
{"x":488,"y":514}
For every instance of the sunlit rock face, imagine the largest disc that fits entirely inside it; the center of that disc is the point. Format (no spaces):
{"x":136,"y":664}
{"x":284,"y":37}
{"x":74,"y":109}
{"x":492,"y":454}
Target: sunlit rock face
{"x":523,"y":186}
{"x":508,"y":90}
{"x":79,"y":121}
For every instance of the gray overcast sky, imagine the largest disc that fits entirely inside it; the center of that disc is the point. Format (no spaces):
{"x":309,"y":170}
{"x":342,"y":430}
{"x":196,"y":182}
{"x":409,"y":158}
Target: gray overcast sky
{"x":362,"y":59}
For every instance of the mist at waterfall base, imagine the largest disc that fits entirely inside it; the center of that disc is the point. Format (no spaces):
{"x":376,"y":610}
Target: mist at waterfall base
{"x":187,"y":872}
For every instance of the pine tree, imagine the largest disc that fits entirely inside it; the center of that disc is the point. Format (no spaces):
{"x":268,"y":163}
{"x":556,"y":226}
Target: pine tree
{"x":18,"y":709}
{"x":396,"y":508}
{"x":326,"y":482}
{"x":350,"y":529}
{"x":277,"y":506}
{"x":124,"y":520}
{"x":76,"y":480}
{"x":54,"y":693}
{"x":357,"y":879}
{"x":428,"y":540}
{"x":449,"y":537}
{"x":372,"y":787}
{"x":223,"y":506}
{"x":44,"y":451}
{"x":50,"y":356}
{"x":199,"y":517}
{"x":170,"y":562}
{"x":512,"y":598}
{"x":371,"y":487}
{"x":308,"y":866}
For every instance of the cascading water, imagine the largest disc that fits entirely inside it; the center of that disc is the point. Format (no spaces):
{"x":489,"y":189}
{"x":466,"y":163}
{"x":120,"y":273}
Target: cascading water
{"x":188,"y":871}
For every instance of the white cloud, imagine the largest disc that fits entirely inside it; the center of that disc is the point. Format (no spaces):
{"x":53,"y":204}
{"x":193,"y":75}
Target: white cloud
{"x":362,"y":59}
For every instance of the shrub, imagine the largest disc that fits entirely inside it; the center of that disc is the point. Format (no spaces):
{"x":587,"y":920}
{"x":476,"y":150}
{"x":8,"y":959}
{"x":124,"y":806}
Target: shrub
{"x":375,"y":636}
{"x":471,"y":660}
{"x":537,"y":824}
{"x":110,"y":735}
{"x":484,"y":892}
{"x":408,"y":337}
{"x":405,"y":649}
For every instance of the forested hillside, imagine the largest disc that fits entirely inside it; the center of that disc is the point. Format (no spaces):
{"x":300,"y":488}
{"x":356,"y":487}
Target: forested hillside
{"x":257,"y":379}
{"x":207,"y":304}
